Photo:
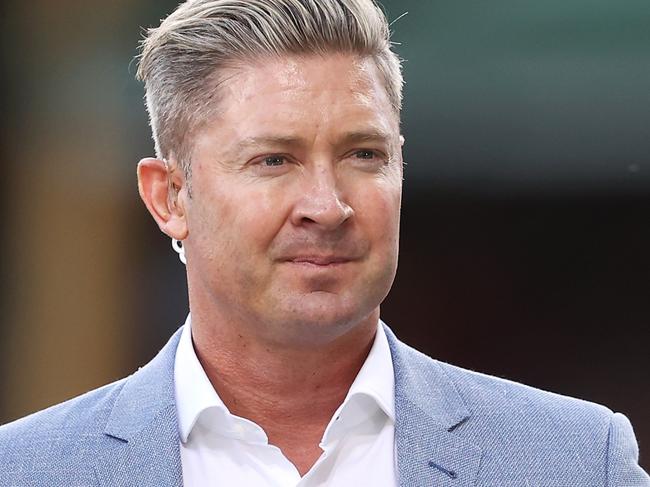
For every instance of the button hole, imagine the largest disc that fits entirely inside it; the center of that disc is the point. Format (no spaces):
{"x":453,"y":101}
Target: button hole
{"x":449,"y":473}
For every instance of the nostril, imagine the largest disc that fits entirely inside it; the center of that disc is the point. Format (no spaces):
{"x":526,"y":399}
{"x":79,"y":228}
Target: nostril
{"x":328,"y":212}
{"x":306,"y":219}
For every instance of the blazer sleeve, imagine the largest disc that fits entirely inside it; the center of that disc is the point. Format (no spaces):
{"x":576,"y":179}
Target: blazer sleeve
{"x":623,"y":468}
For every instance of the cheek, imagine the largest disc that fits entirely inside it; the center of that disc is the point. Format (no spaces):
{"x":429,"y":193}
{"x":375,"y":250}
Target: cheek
{"x":379,"y":214}
{"x":241,"y":221}
{"x":385,"y":199}
{"x":258,"y":213}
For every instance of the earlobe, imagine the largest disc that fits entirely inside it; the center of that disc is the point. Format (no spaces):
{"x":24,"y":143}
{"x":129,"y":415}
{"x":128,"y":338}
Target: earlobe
{"x":159,"y":188}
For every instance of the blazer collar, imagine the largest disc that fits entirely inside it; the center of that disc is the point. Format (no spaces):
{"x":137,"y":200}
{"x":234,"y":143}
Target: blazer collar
{"x":144,"y":447}
{"x":430,"y":414}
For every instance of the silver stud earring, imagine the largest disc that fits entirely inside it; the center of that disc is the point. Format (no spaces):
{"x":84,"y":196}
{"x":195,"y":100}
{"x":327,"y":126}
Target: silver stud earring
{"x":177,"y":245}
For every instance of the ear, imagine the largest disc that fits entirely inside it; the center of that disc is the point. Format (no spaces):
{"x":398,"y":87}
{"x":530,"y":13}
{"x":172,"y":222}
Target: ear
{"x":161,"y":187}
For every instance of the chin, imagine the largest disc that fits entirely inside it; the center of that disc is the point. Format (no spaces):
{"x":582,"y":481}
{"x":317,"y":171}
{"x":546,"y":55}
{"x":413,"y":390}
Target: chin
{"x":321,"y":318}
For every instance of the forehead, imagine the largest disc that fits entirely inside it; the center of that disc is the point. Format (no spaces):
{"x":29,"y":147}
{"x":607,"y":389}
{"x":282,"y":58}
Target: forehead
{"x":306,"y":93}
{"x":305,"y":72}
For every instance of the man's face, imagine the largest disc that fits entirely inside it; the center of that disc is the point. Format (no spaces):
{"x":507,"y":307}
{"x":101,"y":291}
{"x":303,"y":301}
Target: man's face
{"x":296,"y":187}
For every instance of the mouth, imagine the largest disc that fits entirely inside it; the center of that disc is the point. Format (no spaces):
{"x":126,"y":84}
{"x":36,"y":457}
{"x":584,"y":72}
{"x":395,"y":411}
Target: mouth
{"x":319,"y":260}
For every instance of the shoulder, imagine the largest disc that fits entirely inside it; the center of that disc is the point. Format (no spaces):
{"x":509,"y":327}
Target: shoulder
{"x":488,"y":393}
{"x":60,"y":445}
{"x":517,"y":410}
{"x":62,"y":436}
{"x":485,"y":394}
{"x":525,"y":432}
{"x":524,"y":421}
{"x":510,"y":410}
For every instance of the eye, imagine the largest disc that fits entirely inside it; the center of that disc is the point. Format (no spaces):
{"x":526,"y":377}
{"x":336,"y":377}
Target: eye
{"x":365,"y":154}
{"x":274,"y":160}
{"x":368,"y":160}
{"x":271,"y":164}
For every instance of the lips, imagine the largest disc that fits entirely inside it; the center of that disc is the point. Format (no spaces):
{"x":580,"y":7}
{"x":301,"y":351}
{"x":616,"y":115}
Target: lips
{"x":319,"y":260}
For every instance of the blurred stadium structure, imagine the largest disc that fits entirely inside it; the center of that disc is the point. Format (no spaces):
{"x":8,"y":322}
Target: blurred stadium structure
{"x":525,"y":240}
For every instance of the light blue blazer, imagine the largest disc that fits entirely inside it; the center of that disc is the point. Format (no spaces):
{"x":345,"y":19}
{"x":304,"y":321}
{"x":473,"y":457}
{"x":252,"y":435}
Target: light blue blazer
{"x":454,"y":428}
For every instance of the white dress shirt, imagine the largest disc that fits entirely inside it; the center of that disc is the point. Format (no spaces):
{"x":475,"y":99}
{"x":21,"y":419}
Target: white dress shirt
{"x":221,"y":449}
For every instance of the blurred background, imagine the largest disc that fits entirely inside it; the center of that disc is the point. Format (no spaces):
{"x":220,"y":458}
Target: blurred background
{"x":525,"y":246}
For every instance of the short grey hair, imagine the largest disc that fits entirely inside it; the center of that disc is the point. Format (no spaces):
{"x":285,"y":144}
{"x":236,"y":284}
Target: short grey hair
{"x":181,"y":60}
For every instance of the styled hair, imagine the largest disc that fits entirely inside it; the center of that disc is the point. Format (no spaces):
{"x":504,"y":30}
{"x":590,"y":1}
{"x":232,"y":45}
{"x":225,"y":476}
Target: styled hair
{"x":181,"y":60}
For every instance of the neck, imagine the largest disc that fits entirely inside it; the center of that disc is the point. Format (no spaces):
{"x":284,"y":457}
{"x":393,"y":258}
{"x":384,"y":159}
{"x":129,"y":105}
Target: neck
{"x":291,"y":392}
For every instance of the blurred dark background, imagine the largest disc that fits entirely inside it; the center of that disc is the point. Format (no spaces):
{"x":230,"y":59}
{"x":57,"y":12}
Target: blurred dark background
{"x":525,"y":238}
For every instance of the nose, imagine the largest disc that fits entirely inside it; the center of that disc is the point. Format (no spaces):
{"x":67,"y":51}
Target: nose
{"x":320,"y":203}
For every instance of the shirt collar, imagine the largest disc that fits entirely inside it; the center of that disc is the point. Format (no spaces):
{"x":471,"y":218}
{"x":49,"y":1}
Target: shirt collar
{"x":194,"y":391}
{"x":371,"y":395}
{"x":376,"y":377}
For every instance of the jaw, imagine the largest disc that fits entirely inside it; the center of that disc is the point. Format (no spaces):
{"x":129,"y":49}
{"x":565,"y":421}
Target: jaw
{"x":319,"y":321}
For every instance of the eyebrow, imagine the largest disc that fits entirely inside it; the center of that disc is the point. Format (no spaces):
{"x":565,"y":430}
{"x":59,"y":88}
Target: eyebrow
{"x":365,"y":136}
{"x":295,"y":141}
{"x":273,"y":140}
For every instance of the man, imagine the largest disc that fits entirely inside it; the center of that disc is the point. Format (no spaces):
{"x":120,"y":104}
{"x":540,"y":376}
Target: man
{"x":279,"y":168}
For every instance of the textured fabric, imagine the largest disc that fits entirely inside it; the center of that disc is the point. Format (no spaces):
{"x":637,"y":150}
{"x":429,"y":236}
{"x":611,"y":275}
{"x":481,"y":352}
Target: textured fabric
{"x":358,"y":443}
{"x":453,"y":428}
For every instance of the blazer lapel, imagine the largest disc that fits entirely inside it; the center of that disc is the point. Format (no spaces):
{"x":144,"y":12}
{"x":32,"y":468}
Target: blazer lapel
{"x":428,"y":411}
{"x":142,"y":440}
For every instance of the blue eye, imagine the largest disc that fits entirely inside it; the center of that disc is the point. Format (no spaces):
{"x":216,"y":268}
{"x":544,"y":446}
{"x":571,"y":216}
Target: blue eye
{"x":274,"y":160}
